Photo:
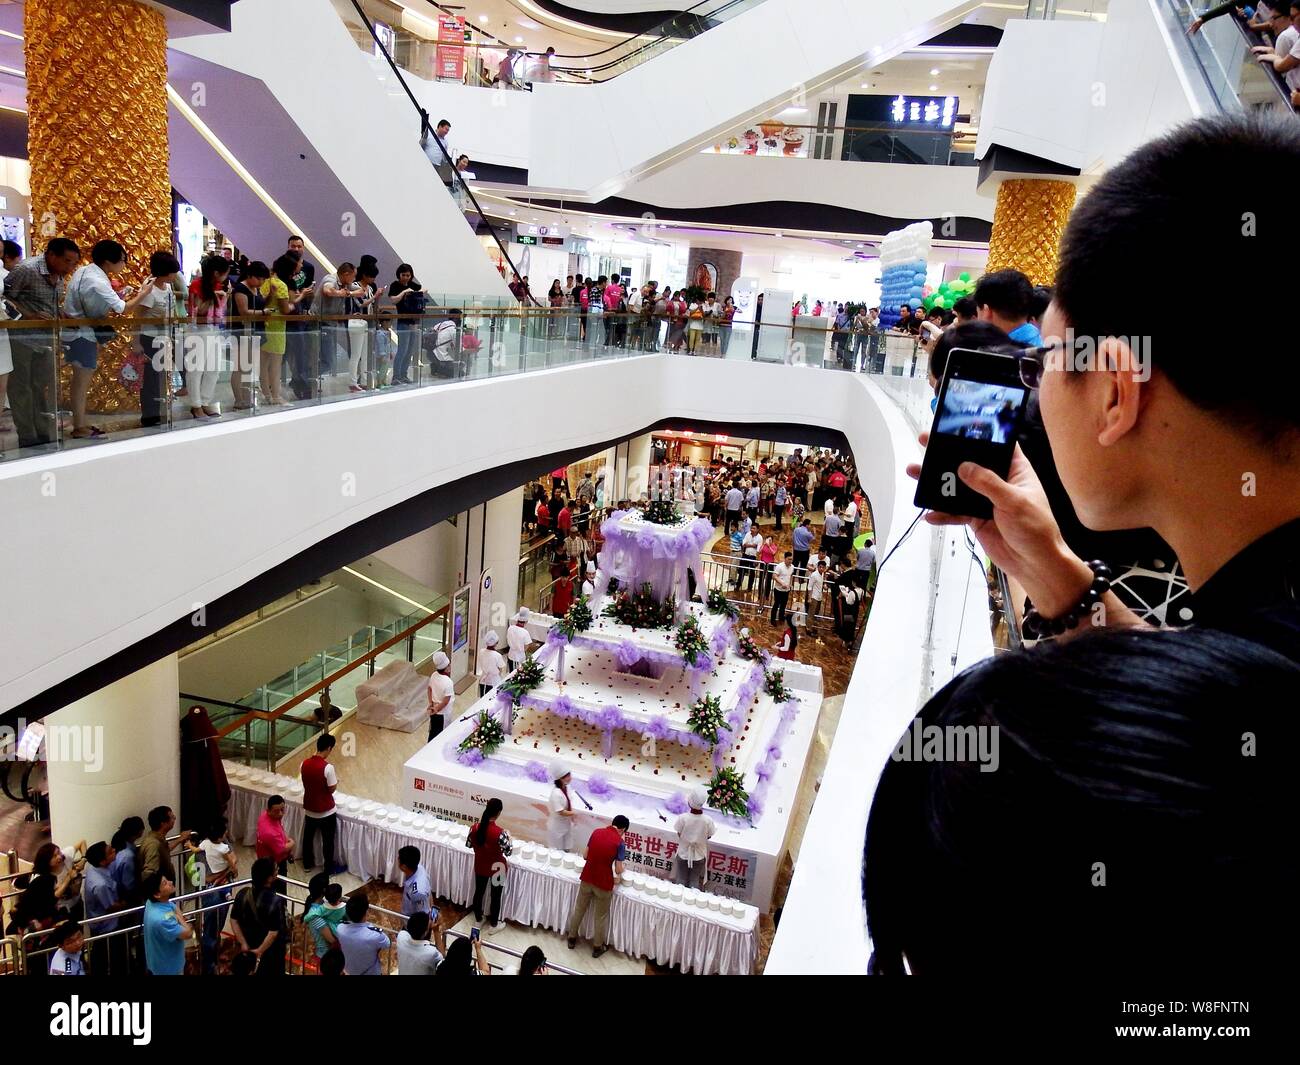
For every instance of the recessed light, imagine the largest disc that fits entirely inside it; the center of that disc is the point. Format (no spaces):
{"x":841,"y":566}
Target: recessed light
{"x":934,"y":73}
{"x":483,"y":19}
{"x":934,"y":88}
{"x":519,"y":40}
{"x":864,"y":85}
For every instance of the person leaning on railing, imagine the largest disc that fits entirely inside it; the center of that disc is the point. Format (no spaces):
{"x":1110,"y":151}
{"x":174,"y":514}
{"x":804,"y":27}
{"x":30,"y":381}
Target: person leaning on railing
{"x":1263,"y":10}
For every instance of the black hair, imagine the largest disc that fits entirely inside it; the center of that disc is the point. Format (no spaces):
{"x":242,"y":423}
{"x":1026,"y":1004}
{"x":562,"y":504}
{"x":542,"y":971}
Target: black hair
{"x":1132,"y":226}
{"x":62,"y":246}
{"x":332,"y":963}
{"x":67,"y":930}
{"x":977,"y":335}
{"x":285,"y":267}
{"x":257,"y":268}
{"x":263,"y":870}
{"x":153,"y":884}
{"x":358,"y":907}
{"x":459,"y":960}
{"x":334,"y":893}
{"x":622,"y":822}
{"x":95,"y":854}
{"x":532,"y":960}
{"x":209,"y":270}
{"x":274,"y":800}
{"x":216,"y":829}
{"x":417,"y":925}
{"x":1123,"y":813}
{"x":158,"y":817}
{"x":163,"y":264}
{"x":325,"y":742}
{"x":409,"y":856}
{"x":107,"y":251}
{"x":443,"y":122}
{"x":492,"y":809}
{"x":1008,"y":292}
{"x":316,"y":887}
{"x":1038,"y":305}
{"x":12,"y":249}
{"x":292,"y":238}
{"x":405,"y":268}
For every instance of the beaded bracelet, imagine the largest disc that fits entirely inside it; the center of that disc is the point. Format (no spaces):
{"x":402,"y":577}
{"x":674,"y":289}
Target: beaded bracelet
{"x":1036,"y":627}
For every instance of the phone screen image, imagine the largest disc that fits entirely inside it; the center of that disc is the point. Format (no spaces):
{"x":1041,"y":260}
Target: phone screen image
{"x":473,"y":935}
{"x":978,"y":415}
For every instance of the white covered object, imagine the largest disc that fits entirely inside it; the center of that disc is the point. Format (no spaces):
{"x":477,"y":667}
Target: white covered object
{"x":394,"y":698}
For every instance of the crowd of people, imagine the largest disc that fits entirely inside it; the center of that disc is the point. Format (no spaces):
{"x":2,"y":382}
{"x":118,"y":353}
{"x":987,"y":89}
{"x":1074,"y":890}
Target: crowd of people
{"x":241,"y":329}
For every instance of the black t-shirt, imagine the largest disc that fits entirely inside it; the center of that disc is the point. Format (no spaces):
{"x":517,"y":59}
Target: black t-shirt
{"x":258,"y":914}
{"x":255,"y":303}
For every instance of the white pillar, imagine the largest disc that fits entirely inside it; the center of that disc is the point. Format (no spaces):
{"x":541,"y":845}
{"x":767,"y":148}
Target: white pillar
{"x":121,"y":750}
{"x":501,"y":555}
{"x":638,"y":466}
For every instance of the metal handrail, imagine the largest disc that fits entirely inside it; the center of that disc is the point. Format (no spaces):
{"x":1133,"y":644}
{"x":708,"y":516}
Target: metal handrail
{"x":425,"y":129}
{"x":297,"y":700}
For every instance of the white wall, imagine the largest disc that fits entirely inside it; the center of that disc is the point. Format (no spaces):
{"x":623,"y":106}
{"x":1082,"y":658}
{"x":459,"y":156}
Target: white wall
{"x":366,"y":134}
{"x":895,"y":189}
{"x":594,"y":139}
{"x":1085,"y":94}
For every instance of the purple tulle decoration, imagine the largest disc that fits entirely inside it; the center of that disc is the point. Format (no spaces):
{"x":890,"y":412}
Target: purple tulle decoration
{"x":765,"y":770}
{"x":718,"y":645}
{"x":725,"y":736}
{"x":628,"y":654}
{"x":538,"y":772}
{"x":774,"y":752}
{"x":658,"y":727}
{"x":677,"y":803}
{"x":719,"y":753}
{"x":471,"y":756}
{"x":588,"y":717}
{"x":646,"y":540}
{"x":754,"y":806}
{"x":555,"y":637}
{"x":736,"y":719}
{"x":611,"y":717}
{"x":600,"y":787}
{"x":702,"y":664}
{"x":563,"y":707}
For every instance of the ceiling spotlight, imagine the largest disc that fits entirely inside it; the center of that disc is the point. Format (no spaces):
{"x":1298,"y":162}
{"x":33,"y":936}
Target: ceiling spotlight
{"x":519,"y":40}
{"x":934,"y":73}
{"x":483,"y":19}
{"x":864,"y":85}
{"x":934,"y":88}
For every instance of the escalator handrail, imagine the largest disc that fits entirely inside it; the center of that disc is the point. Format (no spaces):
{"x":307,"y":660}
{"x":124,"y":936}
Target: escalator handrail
{"x":426,"y":131}
{"x":657,"y":33}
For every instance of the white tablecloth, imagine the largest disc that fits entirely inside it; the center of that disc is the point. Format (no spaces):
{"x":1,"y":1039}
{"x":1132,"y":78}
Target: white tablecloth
{"x":665,"y":931}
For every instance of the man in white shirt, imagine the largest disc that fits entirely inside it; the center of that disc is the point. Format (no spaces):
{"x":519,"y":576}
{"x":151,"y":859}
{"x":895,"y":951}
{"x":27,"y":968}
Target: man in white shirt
{"x":749,"y":548}
{"x":782,"y":577}
{"x":735,"y":497}
{"x":1284,"y":56}
{"x":694,"y":830}
{"x":518,"y":640}
{"x":816,"y":583}
{"x":491,"y":666}
{"x":589,"y":583}
{"x":851,"y":517}
{"x":441,"y":692}
{"x":416,"y":954}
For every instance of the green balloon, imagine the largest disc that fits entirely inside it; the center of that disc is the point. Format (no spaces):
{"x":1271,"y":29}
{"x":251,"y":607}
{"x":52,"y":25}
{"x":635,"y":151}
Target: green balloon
{"x":964,"y":275}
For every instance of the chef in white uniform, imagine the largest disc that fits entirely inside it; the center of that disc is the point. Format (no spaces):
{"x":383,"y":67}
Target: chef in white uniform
{"x":491,"y":666}
{"x":589,"y":583}
{"x":560,"y":827}
{"x":518,"y":640}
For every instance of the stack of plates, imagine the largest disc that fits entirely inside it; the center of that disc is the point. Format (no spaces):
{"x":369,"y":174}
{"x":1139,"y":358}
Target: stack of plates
{"x":663,"y":889}
{"x":570,"y":861}
{"x":352,"y":804}
{"x":715,"y":903}
{"x":296,"y":788}
{"x":420,"y":822}
{"x":541,"y":854}
{"x":526,"y":851}
{"x":676,"y":893}
{"x":241,"y":772}
{"x":729,"y":907}
{"x":369,"y":807}
{"x":558,"y":857}
{"x":638,"y":881}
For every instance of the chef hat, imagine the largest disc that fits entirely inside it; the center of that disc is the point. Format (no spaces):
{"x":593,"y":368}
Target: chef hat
{"x":698,"y":797}
{"x":591,"y":567}
{"x":491,"y":640}
{"x":441,"y":661}
{"x":558,"y":770}
{"x":523,"y":614}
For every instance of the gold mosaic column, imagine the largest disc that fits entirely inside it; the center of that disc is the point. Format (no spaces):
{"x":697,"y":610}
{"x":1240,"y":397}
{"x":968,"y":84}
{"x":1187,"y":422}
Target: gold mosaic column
{"x":97,"y":141}
{"x":1028,"y":221}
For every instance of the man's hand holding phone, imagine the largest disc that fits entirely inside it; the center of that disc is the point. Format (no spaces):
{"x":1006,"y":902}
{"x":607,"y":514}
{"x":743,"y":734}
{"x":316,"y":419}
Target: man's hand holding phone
{"x":1021,"y":538}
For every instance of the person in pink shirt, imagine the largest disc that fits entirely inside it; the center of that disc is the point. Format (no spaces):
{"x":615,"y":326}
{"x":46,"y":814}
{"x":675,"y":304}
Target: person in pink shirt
{"x":766,"y":560}
{"x":271,"y":839}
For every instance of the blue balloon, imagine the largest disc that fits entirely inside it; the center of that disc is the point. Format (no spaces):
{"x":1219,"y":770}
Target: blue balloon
{"x":914,"y":303}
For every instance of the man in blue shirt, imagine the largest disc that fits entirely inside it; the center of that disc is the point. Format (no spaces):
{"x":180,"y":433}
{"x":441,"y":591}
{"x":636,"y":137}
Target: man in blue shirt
{"x":803,"y":538}
{"x":751,"y":501}
{"x":1006,"y":298}
{"x":831,"y":535}
{"x":100,"y":896}
{"x":417,"y":889}
{"x":124,"y":841}
{"x":866,"y":563}
{"x":361,"y":943}
{"x":165,"y":928}
{"x":735,"y":497}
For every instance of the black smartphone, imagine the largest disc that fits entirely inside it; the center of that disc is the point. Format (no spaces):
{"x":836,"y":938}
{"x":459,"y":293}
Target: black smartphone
{"x":977,"y":419}
{"x":473,"y":935}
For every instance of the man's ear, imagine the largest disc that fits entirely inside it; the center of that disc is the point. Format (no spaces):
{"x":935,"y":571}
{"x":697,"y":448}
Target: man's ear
{"x":1123,"y":390}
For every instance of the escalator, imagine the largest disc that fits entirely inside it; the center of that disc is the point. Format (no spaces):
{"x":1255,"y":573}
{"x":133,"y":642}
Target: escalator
{"x":1221,"y":70}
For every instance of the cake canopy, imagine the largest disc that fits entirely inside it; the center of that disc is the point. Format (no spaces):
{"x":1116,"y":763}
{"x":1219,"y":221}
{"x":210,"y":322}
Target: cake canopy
{"x":640,"y":552}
